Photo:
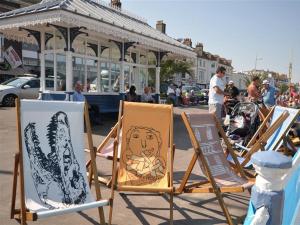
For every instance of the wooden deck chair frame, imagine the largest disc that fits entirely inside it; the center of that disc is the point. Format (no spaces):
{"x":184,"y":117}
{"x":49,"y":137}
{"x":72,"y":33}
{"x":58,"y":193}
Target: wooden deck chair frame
{"x":169,"y":190}
{"x":203,"y":187}
{"x":22,"y":214}
{"x":260,"y":139}
{"x":111,"y":135}
{"x":266,"y":124}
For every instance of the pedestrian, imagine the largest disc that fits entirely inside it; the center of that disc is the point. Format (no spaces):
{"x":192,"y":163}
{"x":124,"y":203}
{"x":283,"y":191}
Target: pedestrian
{"x":268,"y":94}
{"x":131,"y":96}
{"x":232,"y":90}
{"x":253,"y":89}
{"x":94,"y":112}
{"x":216,"y":93}
{"x":147,"y":96}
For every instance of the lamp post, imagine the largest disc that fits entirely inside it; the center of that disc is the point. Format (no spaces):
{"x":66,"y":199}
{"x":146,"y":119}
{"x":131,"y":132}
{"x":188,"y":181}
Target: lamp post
{"x":256,"y":59}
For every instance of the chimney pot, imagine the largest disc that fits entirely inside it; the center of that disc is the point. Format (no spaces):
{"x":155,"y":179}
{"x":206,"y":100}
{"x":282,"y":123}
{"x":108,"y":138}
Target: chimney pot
{"x":116,"y":4}
{"x":161,"y":26}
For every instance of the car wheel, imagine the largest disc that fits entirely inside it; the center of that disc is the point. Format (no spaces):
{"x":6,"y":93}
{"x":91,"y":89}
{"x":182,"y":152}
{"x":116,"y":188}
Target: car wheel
{"x":9,"y":100}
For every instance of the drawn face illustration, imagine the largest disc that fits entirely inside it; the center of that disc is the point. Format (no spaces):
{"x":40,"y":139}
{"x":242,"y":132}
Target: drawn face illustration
{"x":145,"y":139}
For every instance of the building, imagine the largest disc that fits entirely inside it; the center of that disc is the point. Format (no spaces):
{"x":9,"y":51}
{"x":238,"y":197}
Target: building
{"x":91,"y":41}
{"x":207,"y":64}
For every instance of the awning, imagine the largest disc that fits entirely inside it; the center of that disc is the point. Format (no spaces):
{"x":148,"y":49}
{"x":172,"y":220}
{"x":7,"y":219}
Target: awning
{"x":97,"y":16}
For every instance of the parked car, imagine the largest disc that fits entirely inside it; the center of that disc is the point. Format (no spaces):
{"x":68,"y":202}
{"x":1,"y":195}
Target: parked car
{"x":23,"y":87}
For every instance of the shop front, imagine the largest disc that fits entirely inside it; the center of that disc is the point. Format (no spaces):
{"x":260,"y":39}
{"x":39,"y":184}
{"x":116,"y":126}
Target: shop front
{"x":106,"y":48}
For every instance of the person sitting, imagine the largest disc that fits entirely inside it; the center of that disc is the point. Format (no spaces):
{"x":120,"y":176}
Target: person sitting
{"x":146,"y":96}
{"x":171,"y":94}
{"x":93,"y":109}
{"x":131,"y":96}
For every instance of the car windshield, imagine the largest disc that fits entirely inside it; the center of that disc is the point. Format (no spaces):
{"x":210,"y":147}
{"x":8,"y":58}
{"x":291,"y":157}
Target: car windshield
{"x":15,"y":82}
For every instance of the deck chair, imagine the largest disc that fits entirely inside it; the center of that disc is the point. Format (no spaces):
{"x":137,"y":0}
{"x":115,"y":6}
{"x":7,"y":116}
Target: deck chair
{"x":50,"y":162}
{"x":104,"y":150}
{"x":280,"y":120}
{"x":146,"y":153}
{"x":221,"y":177}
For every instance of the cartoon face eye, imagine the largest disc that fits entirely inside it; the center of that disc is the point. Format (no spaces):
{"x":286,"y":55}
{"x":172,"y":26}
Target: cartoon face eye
{"x":149,"y":136}
{"x":135,"y":135}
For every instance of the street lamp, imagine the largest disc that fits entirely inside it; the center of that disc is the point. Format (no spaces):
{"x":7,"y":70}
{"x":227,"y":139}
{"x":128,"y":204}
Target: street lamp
{"x":256,"y":59}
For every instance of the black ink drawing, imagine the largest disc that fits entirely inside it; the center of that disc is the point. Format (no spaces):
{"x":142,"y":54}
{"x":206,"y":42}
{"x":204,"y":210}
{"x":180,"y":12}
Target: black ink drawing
{"x":143,"y":159}
{"x":56,"y":176}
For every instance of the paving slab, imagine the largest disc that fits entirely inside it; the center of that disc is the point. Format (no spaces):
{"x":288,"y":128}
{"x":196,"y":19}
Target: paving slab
{"x":129,"y":208}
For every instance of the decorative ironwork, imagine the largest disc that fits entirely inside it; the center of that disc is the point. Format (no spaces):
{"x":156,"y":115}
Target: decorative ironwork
{"x":159,"y":56}
{"x":94,"y":47}
{"x":35,"y":34}
{"x":127,"y":45}
{"x":48,"y":37}
{"x":74,"y":32}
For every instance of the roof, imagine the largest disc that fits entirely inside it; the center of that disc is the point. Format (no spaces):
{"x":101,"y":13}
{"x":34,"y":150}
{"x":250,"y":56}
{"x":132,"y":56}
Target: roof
{"x":95,"y":15}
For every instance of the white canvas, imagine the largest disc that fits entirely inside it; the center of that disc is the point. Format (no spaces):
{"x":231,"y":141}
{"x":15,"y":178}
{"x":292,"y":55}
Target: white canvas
{"x":53,"y":155}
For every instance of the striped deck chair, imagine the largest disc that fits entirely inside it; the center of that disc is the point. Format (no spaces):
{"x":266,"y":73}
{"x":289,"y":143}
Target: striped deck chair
{"x":50,"y":162}
{"x":146,"y":153}
{"x":277,"y":124}
{"x":220,"y":176}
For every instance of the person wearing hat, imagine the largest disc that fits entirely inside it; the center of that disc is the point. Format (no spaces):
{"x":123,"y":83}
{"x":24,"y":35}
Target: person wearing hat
{"x":232,"y":91}
{"x":268,"y":94}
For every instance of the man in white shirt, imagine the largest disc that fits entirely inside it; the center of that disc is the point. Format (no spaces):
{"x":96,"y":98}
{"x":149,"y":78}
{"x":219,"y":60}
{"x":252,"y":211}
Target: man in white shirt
{"x":216,"y":93}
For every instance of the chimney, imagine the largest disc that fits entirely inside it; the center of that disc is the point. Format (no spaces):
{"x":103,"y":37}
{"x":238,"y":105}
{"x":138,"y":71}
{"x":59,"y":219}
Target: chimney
{"x":188,"y":42}
{"x":161,"y":26}
{"x":116,"y":4}
{"x":199,"y":49}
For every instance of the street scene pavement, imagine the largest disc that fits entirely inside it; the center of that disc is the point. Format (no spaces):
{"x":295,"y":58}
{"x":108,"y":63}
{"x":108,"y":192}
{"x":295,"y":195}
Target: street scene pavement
{"x":129,"y":208}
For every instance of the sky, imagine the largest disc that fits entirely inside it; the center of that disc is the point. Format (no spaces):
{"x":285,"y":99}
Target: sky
{"x":242,"y":31}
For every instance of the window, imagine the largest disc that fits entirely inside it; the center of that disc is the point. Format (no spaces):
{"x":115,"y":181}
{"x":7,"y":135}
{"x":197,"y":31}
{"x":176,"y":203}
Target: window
{"x":33,"y":83}
{"x":213,"y":65}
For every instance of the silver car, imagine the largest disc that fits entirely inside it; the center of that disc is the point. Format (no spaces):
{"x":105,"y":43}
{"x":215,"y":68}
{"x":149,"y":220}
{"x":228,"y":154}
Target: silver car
{"x":22,"y":87}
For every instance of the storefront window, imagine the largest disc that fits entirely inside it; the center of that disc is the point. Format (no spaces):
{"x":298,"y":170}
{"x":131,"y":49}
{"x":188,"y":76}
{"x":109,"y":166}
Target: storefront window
{"x":61,"y":72}
{"x":115,"y":77}
{"x":91,"y":82}
{"x":126,"y":77}
{"x":104,"y":77}
{"x":143,"y":59}
{"x":49,"y":73}
{"x":78,"y":70}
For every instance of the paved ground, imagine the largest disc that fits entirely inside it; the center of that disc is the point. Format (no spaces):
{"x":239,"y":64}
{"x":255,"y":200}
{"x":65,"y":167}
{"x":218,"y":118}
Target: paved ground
{"x":130,"y":209}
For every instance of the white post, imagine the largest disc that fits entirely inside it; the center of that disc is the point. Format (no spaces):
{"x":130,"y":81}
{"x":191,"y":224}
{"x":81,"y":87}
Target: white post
{"x":69,"y":66}
{"x":157,"y":80}
{"x":42,"y":62}
{"x":55,"y":62}
{"x":121,"y":81}
{"x":98,"y":84}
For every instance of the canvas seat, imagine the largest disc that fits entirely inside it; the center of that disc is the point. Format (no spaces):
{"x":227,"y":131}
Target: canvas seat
{"x":220,"y":175}
{"x":50,"y":162}
{"x":146,"y":150}
{"x":275,"y":126}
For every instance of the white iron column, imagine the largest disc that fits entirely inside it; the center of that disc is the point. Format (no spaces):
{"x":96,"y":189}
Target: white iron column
{"x":122,"y":89}
{"x":157,"y":75}
{"x":69,"y":75}
{"x":42,"y":62}
{"x":69,"y":69}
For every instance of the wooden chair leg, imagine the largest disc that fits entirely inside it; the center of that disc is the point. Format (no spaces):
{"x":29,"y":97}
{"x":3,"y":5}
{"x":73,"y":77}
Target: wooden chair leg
{"x":223,"y":206}
{"x":14,"y":192}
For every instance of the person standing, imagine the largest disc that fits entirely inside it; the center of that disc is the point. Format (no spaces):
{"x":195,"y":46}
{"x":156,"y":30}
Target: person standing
{"x":253,"y":89}
{"x":216,"y":93}
{"x":233,"y":91}
{"x":268,"y":94}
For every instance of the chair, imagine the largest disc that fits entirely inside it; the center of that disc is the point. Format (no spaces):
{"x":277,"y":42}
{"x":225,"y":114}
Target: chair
{"x":50,"y":162}
{"x":280,"y":120}
{"x":220,"y":175}
{"x":146,"y":152}
{"x":105,"y":150}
